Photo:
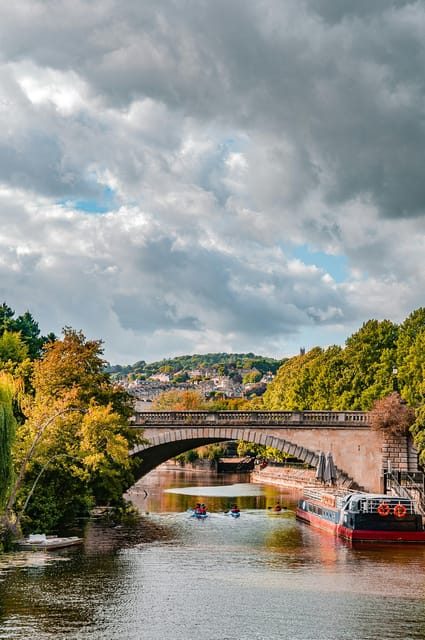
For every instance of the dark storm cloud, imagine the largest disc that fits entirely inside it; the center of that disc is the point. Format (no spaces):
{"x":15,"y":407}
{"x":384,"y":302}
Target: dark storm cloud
{"x":341,"y":82}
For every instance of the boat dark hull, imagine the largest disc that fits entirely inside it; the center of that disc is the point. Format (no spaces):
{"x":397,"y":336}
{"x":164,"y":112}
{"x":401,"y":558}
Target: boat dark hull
{"x":379,"y":530}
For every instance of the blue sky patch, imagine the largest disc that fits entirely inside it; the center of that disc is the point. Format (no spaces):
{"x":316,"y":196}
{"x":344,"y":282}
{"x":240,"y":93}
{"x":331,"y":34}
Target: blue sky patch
{"x":335,"y":265}
{"x":103,"y":204}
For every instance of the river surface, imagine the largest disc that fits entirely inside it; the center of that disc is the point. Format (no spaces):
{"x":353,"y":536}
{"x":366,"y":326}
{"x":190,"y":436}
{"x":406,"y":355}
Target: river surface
{"x":261,"y":576}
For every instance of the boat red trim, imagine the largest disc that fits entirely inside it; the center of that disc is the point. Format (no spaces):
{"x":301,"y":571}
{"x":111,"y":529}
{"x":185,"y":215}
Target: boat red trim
{"x":357,"y":517}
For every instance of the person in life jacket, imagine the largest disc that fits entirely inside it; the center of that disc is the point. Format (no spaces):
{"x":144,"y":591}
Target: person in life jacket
{"x":235,"y":509}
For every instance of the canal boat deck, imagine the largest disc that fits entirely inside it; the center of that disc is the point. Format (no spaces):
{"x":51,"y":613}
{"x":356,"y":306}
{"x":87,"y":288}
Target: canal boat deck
{"x":362,"y":516}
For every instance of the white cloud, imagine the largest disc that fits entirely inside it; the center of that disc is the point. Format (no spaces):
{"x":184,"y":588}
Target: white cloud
{"x":218,"y":137}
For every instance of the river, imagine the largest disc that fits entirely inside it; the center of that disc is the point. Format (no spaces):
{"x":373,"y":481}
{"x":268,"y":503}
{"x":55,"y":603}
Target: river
{"x":261,"y":576}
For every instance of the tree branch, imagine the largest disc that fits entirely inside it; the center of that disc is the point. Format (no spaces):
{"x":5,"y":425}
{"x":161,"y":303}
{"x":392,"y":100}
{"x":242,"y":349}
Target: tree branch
{"x":29,"y":455}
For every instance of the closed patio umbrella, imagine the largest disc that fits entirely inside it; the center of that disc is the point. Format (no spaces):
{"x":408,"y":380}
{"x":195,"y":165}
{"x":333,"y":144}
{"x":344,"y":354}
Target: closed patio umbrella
{"x":330,"y":470}
{"x":320,"y":469}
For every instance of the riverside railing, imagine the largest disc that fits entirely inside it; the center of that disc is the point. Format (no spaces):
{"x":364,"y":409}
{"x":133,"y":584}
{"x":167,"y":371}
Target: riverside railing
{"x":407,"y":485}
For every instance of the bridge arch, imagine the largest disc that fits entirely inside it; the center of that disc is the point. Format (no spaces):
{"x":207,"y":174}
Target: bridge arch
{"x":166,"y":445}
{"x":360,"y":453}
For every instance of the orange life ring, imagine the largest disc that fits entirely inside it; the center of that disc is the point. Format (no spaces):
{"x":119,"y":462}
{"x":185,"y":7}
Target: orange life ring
{"x":384,"y":509}
{"x":399,"y":511}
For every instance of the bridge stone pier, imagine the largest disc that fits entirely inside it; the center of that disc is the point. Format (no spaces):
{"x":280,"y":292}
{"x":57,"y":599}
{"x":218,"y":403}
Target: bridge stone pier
{"x":361,"y":454}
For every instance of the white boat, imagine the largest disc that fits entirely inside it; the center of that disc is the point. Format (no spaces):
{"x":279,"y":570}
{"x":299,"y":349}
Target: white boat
{"x":39,"y":541}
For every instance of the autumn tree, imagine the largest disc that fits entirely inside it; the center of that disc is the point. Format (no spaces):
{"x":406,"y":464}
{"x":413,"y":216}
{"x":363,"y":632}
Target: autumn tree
{"x":392,"y":415}
{"x":78,"y":421}
{"x":177,"y":400}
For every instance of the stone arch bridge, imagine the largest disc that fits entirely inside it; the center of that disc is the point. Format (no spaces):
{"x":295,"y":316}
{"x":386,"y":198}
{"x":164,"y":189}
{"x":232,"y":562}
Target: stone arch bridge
{"x":360,"y":454}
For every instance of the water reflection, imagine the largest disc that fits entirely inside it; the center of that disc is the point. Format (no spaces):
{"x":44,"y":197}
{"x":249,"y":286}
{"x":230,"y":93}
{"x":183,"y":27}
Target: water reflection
{"x":174,"y":490}
{"x":173,"y":577}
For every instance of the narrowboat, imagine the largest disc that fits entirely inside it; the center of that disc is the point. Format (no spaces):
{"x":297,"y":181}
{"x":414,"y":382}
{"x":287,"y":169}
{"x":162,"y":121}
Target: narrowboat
{"x":362,"y":517}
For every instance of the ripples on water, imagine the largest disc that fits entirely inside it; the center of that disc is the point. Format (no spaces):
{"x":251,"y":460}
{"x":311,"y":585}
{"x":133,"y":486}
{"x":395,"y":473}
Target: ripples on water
{"x":260,"y":576}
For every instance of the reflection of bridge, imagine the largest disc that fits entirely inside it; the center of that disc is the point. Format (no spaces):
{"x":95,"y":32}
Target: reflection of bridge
{"x":360,"y":453}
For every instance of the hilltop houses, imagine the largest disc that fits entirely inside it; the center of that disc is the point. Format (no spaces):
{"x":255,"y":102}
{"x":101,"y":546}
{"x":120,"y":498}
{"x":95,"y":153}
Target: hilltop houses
{"x":208,"y":382}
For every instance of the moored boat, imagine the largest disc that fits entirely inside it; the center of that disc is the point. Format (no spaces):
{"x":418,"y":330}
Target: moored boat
{"x":362,"y":517}
{"x":41,"y":542}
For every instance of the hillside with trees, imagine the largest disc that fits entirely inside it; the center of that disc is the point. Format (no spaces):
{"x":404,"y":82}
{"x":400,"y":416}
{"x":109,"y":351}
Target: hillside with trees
{"x":225,"y":361}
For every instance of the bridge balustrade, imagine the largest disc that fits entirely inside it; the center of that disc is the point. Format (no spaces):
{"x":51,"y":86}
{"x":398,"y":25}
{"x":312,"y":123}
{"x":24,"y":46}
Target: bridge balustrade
{"x":298,"y":419}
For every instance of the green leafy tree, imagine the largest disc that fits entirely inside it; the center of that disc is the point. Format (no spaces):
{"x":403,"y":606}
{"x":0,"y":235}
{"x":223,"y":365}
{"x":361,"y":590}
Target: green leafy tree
{"x":6,"y":318}
{"x":259,"y":451}
{"x":13,"y":349}
{"x":366,"y":357}
{"x":335,"y":378}
{"x":292,"y":386}
{"x":410,"y":358}
{"x":182,"y":376}
{"x":252,"y":377}
{"x":9,"y":389}
{"x":30,"y":332}
{"x":26,"y":326}
{"x":418,"y":428}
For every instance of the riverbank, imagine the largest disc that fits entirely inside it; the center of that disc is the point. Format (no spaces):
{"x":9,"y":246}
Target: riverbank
{"x":281,"y":476}
{"x":296,"y":477}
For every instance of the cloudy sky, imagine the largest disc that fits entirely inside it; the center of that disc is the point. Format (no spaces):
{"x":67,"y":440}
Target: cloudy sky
{"x":192,"y":176}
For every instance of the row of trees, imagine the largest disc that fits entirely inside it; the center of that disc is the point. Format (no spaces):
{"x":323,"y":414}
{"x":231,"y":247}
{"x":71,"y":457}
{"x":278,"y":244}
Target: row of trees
{"x":354,"y":376}
{"x":380,"y":359}
{"x":64,"y":431}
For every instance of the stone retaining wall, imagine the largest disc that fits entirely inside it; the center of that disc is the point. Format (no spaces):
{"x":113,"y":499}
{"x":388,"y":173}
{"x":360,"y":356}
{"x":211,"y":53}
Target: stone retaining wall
{"x":399,"y":453}
{"x":286,"y":477}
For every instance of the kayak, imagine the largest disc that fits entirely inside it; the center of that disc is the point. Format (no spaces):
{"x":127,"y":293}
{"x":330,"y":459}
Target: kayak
{"x":195,"y":514}
{"x":234,"y":514}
